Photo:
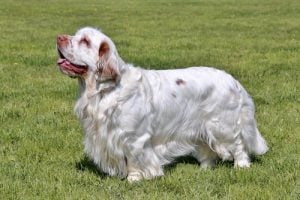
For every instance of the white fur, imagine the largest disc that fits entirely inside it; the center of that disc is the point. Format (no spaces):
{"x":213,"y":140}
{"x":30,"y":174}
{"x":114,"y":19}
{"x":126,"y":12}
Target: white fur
{"x":140,"y":120}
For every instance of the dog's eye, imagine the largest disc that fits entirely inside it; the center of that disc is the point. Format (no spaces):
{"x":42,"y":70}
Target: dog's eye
{"x":85,"y":41}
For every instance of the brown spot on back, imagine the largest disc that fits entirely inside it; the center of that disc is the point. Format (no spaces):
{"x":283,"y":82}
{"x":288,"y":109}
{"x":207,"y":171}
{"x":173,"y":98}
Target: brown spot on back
{"x":180,"y":82}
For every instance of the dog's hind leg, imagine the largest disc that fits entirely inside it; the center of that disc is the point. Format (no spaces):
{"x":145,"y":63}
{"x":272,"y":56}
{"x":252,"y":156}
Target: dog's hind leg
{"x":205,"y":155}
{"x":227,"y":139}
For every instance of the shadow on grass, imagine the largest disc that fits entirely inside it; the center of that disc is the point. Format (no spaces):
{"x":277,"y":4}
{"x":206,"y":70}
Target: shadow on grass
{"x":191,"y":160}
{"x":85,"y":164}
{"x":181,"y":160}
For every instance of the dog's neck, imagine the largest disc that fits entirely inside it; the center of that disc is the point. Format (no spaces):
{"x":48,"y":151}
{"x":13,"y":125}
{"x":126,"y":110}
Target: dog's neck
{"x":90,"y":87}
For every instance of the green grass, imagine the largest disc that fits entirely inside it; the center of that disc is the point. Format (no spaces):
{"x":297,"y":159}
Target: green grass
{"x":41,"y":151}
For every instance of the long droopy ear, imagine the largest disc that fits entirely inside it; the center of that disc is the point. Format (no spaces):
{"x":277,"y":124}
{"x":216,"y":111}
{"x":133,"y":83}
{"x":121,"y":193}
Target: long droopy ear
{"x":106,"y":68}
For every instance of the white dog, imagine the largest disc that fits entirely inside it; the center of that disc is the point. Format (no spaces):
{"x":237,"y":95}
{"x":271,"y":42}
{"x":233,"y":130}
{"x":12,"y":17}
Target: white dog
{"x":136,"y":121}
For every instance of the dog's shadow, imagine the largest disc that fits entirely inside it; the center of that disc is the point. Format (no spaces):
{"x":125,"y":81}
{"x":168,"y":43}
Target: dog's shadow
{"x":181,"y":160}
{"x":87,"y":165}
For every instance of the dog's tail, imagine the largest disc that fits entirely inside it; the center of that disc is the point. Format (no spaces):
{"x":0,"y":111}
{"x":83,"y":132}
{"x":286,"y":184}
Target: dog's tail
{"x":253,"y":140}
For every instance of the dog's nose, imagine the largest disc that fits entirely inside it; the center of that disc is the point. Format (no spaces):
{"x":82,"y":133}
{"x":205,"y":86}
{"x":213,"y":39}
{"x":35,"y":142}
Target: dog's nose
{"x":62,"y":38}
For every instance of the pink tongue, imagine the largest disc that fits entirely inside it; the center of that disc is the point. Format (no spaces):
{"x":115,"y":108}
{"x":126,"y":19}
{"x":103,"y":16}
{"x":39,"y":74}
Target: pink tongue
{"x":64,"y":63}
{"x":61,"y":61}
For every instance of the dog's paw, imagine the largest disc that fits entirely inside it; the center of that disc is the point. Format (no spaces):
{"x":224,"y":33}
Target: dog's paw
{"x":242,"y":164}
{"x":207,"y":164}
{"x":134,"y":177}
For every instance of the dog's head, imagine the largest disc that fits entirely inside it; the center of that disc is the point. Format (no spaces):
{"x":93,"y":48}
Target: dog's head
{"x":88,"y":51}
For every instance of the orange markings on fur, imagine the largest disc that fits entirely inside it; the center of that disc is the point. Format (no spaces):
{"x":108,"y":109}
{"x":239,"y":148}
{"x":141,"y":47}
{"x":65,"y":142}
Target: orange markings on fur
{"x":108,"y":73}
{"x":104,"y":48}
{"x":85,"y":40}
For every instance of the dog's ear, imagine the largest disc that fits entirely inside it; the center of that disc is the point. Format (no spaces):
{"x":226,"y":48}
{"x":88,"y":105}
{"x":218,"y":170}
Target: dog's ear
{"x":104,"y":49}
{"x":106,"y":68}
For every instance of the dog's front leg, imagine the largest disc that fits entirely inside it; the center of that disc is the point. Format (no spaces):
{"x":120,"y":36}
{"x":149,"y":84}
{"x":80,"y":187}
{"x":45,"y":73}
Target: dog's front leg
{"x":142,"y":162}
{"x":134,"y":173}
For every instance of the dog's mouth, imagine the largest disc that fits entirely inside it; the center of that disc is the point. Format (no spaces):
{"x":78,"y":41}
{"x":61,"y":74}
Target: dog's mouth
{"x":69,"y":68}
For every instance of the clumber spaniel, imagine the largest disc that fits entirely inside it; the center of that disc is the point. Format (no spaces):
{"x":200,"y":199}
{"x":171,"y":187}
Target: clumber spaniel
{"x":136,"y":120}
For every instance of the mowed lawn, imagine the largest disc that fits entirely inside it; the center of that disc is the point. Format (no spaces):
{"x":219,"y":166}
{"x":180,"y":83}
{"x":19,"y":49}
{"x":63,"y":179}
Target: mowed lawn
{"x":41,"y":150}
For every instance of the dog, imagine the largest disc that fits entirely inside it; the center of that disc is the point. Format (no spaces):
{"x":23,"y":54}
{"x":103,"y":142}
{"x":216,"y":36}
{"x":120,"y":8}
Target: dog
{"x":136,"y":121}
